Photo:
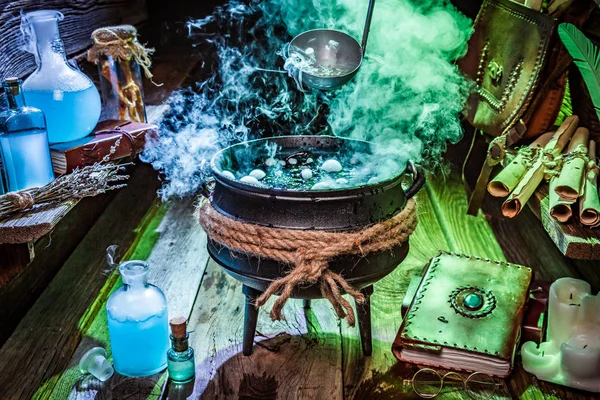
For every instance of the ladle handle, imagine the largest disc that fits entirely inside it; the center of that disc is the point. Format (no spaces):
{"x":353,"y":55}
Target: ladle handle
{"x":367,"y":26}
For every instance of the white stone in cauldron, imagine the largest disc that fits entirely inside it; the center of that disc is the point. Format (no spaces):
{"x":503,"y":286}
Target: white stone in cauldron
{"x":228,"y":174}
{"x":341,"y":181}
{"x":331,"y":165}
{"x":292,"y":161}
{"x":306,"y":173}
{"x":328,"y":184}
{"x":269,"y":162}
{"x":309,"y":160}
{"x":250,"y":179}
{"x":282,"y":163}
{"x":258,"y":174}
{"x":373,"y":180}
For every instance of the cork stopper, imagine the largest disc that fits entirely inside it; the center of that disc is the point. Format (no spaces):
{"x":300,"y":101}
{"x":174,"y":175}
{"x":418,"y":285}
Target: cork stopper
{"x":178,"y":327}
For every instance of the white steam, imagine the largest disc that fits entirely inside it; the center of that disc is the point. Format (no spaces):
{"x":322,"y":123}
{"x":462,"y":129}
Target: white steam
{"x":406,"y":97}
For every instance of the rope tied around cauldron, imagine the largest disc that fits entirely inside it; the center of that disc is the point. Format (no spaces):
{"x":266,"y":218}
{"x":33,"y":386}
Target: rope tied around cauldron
{"x":309,"y":251}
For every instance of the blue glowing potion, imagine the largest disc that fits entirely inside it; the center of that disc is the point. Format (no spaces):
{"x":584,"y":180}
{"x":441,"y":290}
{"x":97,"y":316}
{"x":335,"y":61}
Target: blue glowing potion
{"x":138,"y":323}
{"x":66,"y":95}
{"x":24,"y":154}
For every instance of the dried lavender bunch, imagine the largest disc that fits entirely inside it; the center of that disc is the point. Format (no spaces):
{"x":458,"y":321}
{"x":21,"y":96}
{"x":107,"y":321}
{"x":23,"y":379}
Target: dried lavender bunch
{"x":82,"y":182}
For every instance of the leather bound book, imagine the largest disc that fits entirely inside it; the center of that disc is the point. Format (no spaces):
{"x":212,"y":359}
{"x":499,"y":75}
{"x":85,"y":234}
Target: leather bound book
{"x":466,"y":315}
{"x":126,"y":137}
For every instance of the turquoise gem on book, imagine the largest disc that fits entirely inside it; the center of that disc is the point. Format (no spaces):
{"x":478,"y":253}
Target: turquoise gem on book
{"x":473,"y":301}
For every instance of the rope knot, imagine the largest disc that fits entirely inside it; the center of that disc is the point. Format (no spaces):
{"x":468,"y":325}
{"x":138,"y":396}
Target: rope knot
{"x":22,"y":200}
{"x":308,"y":252}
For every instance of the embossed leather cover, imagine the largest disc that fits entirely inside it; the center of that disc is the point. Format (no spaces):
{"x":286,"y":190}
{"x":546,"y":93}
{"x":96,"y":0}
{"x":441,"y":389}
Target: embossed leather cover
{"x":439,"y":330}
{"x":505,"y":58}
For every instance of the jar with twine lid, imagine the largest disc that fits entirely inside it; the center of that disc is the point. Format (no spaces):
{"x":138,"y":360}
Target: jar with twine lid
{"x":119,"y":56}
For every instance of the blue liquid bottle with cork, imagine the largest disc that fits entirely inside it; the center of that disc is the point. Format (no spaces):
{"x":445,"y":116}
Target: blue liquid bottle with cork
{"x":180,"y":357}
{"x":24,"y":154}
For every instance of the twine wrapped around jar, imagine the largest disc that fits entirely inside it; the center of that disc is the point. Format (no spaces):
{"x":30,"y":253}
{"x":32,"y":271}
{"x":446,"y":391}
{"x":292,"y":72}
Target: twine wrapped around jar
{"x":121,"y":43}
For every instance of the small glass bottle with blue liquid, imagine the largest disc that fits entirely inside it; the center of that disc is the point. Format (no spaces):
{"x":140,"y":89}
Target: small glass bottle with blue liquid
{"x":66,"y":95}
{"x":138,"y":323}
{"x":180,"y":357}
{"x":24,"y":154}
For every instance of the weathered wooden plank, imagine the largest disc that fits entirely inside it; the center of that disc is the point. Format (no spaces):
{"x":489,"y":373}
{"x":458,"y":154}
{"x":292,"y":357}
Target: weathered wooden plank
{"x":465,"y":234}
{"x":14,"y":257}
{"x":375,"y":374}
{"x":299,"y":358}
{"x":44,"y":341}
{"x":572,"y":238}
{"x":177,"y":258}
{"x":51,"y":252}
{"x":81,"y":18}
{"x":30,"y":226}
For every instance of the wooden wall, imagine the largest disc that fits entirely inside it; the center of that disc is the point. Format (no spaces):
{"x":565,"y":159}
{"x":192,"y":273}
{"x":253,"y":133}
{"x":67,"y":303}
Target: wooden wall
{"x":81,"y":18}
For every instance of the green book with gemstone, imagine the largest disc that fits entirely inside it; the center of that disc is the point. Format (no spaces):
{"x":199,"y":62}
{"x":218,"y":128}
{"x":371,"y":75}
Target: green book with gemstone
{"x":466,"y":315}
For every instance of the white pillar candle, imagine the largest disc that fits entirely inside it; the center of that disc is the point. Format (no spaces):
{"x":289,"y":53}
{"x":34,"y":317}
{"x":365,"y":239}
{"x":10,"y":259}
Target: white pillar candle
{"x":570,"y":355}
{"x":581,"y":356}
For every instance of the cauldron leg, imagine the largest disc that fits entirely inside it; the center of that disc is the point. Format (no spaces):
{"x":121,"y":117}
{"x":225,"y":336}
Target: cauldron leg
{"x":364,"y":321}
{"x":250,"y":319}
{"x":306,"y":303}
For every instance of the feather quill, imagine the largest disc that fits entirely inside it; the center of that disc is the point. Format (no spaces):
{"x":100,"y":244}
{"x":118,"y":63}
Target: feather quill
{"x":587,"y":58}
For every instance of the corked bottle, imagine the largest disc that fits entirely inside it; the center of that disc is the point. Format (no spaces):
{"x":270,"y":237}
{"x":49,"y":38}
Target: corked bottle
{"x":119,"y":56}
{"x":180,"y":357}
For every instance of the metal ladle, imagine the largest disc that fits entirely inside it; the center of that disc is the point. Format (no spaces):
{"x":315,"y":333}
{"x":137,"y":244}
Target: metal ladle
{"x":337,"y":55}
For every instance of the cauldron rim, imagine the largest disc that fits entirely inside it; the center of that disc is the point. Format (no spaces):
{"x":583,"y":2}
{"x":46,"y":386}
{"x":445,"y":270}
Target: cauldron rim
{"x":278,"y":192}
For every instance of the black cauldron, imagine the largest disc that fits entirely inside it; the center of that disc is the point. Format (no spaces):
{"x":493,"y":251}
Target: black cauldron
{"x":347,"y":209}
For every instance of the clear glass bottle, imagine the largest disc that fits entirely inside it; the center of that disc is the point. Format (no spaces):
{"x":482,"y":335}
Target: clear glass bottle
{"x":66,"y":95}
{"x":138,"y":323}
{"x":122,"y":89}
{"x":24,"y":152}
{"x":180,"y":357}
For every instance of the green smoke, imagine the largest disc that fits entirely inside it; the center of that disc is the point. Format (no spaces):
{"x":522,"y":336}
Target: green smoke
{"x":407,"y":95}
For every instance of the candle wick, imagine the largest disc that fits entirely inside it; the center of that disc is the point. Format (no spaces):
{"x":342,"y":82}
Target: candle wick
{"x":571,"y":296}
{"x":585,"y":346}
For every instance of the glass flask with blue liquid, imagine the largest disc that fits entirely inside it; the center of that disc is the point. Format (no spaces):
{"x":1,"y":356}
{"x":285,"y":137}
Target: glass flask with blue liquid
{"x":24,"y":154}
{"x":66,"y":95}
{"x":138,"y":323}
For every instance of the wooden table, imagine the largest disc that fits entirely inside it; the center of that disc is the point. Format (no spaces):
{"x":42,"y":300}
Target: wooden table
{"x":309,"y":355}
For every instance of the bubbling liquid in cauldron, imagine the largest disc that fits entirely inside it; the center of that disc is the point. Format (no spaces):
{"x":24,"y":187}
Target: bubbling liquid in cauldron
{"x":309,"y":169}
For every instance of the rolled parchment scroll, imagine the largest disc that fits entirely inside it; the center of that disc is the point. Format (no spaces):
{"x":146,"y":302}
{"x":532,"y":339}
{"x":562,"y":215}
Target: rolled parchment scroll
{"x":569,"y":184}
{"x":509,"y":177}
{"x":589,"y":203}
{"x":521,"y":194}
{"x":560,"y":209}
